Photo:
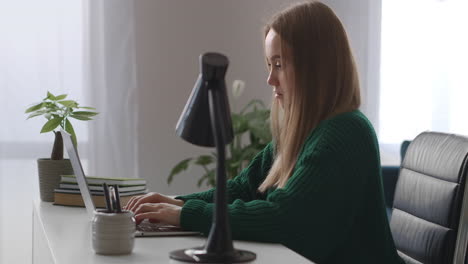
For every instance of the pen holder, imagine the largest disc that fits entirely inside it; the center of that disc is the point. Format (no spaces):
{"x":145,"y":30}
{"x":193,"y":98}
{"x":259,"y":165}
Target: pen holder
{"x":113,"y":233}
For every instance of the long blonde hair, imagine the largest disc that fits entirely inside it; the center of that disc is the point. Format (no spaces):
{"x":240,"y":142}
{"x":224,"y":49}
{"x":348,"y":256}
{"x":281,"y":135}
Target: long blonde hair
{"x":325,"y":78}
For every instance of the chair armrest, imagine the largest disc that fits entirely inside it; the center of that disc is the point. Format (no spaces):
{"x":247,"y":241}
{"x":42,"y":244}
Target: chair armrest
{"x":389,"y":179}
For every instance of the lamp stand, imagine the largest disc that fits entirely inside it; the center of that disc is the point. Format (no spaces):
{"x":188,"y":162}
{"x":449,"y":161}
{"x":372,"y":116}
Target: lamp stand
{"x":219,"y":247}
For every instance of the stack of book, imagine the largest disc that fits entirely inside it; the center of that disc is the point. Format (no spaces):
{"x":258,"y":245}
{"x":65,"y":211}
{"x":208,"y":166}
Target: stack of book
{"x":69,"y":193}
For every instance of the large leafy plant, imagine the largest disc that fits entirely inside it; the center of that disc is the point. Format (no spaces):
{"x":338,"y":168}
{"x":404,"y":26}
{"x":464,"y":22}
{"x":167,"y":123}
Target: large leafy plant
{"x":58,"y":112}
{"x":251,"y":134}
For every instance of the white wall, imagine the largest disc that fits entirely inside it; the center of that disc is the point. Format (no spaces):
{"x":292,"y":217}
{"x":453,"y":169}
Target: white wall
{"x":361,"y":19}
{"x":171,"y":34}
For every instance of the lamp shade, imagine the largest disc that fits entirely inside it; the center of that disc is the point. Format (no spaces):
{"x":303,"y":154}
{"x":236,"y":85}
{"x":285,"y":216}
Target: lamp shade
{"x":194,"y":124}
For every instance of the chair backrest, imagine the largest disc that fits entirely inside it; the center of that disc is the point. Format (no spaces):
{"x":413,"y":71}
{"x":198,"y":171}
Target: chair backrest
{"x":428,"y":199}
{"x":404,"y":147}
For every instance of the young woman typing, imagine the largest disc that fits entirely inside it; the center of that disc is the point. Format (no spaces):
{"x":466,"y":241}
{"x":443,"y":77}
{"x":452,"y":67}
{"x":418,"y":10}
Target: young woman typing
{"x":316,"y":188}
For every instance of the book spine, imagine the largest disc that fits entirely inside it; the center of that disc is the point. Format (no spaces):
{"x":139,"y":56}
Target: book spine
{"x":77,"y":200}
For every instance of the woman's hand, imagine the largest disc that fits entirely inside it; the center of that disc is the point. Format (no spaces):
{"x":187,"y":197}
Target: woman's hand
{"x":158,"y":213}
{"x":135,"y":202}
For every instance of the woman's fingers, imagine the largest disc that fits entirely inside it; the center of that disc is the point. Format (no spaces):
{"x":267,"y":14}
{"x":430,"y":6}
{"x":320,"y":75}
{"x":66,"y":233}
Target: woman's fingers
{"x":130,"y":202}
{"x":139,"y":200}
{"x":151,"y":216}
{"x":147,"y":207}
{"x":135,"y":202}
{"x":160,"y":212}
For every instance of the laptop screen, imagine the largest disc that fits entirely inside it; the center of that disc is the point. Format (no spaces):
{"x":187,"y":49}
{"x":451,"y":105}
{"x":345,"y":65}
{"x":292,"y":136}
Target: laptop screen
{"x":79,"y":173}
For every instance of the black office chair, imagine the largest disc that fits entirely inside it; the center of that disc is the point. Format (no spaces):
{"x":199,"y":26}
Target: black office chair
{"x":430,"y":211}
{"x":390,"y":177}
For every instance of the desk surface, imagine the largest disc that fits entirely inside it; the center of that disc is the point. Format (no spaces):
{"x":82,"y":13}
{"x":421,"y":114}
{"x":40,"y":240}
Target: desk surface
{"x":66,"y":234}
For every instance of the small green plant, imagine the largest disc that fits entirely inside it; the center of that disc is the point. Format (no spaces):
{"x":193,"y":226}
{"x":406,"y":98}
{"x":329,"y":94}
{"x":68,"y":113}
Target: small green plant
{"x":57,"y":111}
{"x":251,"y":122}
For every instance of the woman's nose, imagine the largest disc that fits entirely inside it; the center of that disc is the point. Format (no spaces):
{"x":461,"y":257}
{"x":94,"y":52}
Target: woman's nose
{"x":272,"y":80}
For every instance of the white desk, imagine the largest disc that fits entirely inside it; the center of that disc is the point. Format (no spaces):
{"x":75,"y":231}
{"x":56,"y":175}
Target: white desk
{"x":63,"y":235}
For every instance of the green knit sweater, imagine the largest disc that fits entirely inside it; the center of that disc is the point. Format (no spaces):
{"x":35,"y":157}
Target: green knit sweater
{"x":331,"y":209}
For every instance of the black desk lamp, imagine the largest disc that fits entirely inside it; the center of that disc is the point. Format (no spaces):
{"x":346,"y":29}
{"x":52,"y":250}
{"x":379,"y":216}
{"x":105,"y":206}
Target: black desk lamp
{"x":206,"y":121}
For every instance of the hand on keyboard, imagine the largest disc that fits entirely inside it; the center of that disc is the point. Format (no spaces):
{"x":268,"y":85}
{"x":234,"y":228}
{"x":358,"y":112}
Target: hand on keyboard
{"x":159,"y":212}
{"x":136,"y":201}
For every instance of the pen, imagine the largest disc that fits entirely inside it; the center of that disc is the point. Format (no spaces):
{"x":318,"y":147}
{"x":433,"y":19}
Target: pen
{"x":112,"y":197}
{"x":107,"y":196}
{"x":117,"y":199}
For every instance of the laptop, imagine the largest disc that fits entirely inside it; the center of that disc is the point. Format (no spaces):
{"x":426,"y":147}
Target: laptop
{"x":145,"y":228}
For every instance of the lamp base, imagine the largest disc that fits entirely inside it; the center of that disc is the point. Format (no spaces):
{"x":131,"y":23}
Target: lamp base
{"x":200,"y":255}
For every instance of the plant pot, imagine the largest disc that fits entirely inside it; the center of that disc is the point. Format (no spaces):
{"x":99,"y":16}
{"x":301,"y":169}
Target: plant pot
{"x":50,"y":172}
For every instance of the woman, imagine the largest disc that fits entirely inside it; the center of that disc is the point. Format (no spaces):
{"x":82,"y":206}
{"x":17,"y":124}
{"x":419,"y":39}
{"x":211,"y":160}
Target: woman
{"x":316,"y":188}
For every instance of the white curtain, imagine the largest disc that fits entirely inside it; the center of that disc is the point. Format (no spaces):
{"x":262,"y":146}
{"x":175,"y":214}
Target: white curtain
{"x":83,"y":48}
{"x":40,"y":51}
{"x":112,"y":88}
{"x":423,"y":72}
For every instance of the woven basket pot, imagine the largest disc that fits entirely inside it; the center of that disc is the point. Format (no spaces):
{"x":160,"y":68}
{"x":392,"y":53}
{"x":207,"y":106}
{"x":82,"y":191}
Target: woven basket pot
{"x":49,"y":176}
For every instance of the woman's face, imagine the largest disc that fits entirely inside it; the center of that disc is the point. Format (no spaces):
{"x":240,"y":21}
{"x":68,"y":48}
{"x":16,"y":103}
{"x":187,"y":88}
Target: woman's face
{"x":278,"y":67}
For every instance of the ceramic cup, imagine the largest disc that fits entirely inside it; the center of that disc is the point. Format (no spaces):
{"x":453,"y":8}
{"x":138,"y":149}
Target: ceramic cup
{"x":113,"y":233}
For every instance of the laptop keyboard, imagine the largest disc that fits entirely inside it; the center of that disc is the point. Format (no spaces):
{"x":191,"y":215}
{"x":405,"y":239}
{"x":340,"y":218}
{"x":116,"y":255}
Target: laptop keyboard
{"x":147,"y":226}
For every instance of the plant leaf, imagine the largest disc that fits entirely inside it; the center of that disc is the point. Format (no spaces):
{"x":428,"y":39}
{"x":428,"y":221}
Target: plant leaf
{"x":204,"y":160}
{"x":87,"y":107}
{"x":249,"y":153}
{"x":80,"y":117}
{"x":200,"y":181}
{"x":239,"y":123}
{"x":211,"y":181}
{"x":252,"y":103}
{"x":181,"y":166}
{"x":71,"y":131}
{"x":60,"y":97}
{"x":34,"y":108}
{"x":209,"y":177}
{"x":258,"y":123}
{"x":51,"y":106}
{"x":68,"y":103}
{"x":84,"y":113}
{"x":50,"y":96}
{"x":38,"y":113}
{"x":51,"y":125}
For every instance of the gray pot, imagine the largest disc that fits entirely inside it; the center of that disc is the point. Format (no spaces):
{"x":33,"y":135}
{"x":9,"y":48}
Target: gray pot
{"x":49,"y":176}
{"x":113,"y":233}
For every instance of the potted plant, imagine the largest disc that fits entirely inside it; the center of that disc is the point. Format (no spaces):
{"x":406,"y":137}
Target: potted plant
{"x":253,"y":123}
{"x":58,"y":112}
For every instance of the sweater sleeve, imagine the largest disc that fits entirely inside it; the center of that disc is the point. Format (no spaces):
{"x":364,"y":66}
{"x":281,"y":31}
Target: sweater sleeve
{"x":243,"y":186}
{"x":318,"y":205}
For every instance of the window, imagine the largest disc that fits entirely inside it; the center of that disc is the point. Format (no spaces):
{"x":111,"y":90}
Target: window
{"x":424,"y":66}
{"x":41,"y":49}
